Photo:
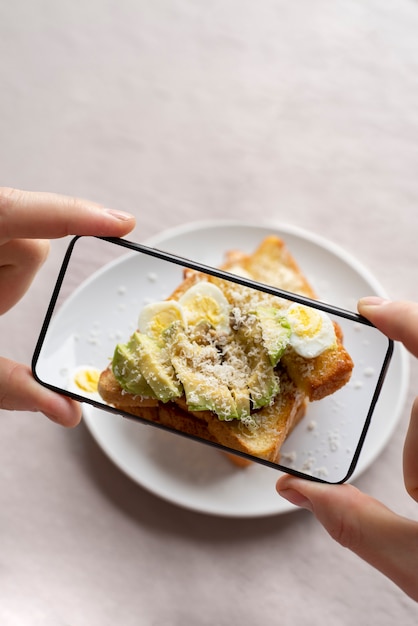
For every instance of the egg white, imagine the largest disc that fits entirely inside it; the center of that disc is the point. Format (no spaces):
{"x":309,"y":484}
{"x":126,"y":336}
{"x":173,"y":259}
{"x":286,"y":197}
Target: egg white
{"x":312,"y":331}
{"x":155,"y":317}
{"x":205,"y":301}
{"x":78,"y":375}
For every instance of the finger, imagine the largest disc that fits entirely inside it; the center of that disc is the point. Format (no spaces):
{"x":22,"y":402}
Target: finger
{"x":20,"y":392}
{"x":397,"y":320}
{"x":20,"y":259}
{"x":39,"y":215}
{"x":385,"y":540}
{"x":410,"y":454}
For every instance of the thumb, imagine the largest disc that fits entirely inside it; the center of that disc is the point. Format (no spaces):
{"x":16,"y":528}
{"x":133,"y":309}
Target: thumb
{"x":385,"y":540}
{"x":397,"y":320}
{"x":19,"y":391}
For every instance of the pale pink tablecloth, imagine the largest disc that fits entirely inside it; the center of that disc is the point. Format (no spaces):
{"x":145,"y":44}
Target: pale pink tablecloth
{"x":304,"y":113}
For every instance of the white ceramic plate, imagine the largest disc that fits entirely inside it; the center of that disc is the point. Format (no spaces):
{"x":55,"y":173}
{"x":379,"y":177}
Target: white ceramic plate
{"x":196,"y":476}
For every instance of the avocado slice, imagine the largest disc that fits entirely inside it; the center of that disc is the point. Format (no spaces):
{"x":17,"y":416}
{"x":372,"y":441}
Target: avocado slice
{"x":126,"y":370}
{"x":235,"y":359}
{"x":155,"y":366}
{"x":263,"y":383}
{"x":241,"y":396}
{"x":275,"y":330}
{"x":194,"y":366}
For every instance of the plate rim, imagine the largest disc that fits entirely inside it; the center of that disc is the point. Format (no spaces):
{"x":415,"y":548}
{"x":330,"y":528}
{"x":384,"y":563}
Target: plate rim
{"x":284,"y":227}
{"x":281,"y":229}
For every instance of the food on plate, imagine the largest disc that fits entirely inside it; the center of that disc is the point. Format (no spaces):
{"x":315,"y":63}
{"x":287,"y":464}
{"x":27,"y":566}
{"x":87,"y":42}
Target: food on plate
{"x":227,"y":363}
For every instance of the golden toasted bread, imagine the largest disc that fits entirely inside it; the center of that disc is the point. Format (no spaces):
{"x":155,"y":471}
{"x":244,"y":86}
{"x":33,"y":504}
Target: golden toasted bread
{"x":301,"y":379}
{"x":274,"y":422}
{"x":323,"y":375}
{"x":272,"y":264}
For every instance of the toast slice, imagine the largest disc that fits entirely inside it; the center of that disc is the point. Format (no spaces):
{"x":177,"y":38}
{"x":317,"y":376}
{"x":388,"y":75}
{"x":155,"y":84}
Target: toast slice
{"x":300,"y":379}
{"x":274,"y":422}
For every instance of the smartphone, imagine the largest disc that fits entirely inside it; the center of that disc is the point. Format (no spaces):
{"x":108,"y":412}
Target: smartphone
{"x":107,"y":288}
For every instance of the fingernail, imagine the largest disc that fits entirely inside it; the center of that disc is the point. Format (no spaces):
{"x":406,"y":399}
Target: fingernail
{"x":119,"y":215}
{"x":294,"y":497}
{"x":372,"y":301}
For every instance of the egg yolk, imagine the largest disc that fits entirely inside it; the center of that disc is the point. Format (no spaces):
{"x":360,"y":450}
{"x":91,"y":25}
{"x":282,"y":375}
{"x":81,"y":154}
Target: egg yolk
{"x":306,"y":323}
{"x":203,"y":307}
{"x":87,"y":380}
{"x":163,"y":320}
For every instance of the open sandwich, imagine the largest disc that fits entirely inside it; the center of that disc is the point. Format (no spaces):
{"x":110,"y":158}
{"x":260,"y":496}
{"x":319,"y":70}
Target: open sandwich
{"x":229,"y":364}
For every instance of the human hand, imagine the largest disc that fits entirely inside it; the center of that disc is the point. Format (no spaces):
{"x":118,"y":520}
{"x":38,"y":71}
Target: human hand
{"x":384,"y":539}
{"x":27,"y":221}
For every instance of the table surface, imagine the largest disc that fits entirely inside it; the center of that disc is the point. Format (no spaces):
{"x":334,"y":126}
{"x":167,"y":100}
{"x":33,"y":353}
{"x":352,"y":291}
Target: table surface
{"x":301,"y":113}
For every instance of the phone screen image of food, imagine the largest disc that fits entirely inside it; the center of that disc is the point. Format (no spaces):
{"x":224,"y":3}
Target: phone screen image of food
{"x":244,"y":357}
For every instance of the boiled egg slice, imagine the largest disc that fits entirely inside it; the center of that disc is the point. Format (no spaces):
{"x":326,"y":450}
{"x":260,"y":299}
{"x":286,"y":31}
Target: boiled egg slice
{"x":156,"y":317}
{"x":206,"y":302}
{"x":84,"y":380}
{"x":312,"y":331}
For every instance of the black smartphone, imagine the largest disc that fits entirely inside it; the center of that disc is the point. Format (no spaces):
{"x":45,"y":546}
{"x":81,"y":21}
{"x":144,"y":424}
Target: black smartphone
{"x":264,"y":374}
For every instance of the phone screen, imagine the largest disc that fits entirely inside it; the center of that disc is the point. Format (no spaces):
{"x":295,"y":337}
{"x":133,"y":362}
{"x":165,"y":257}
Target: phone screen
{"x":263,"y":374}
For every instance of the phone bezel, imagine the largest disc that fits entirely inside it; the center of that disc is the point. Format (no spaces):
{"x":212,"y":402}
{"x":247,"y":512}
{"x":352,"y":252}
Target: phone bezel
{"x":241,"y":280}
